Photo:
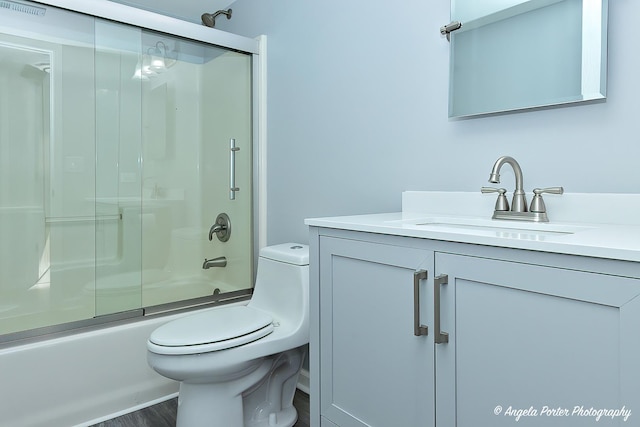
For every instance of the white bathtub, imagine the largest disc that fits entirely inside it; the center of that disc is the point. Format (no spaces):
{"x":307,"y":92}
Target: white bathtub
{"x":81,"y":379}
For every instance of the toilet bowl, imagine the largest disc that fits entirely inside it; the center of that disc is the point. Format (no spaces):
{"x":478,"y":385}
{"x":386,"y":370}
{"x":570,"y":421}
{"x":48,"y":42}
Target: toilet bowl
{"x":238,"y":366}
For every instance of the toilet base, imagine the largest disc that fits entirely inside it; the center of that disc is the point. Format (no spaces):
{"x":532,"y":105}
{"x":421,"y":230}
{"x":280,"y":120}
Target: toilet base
{"x":270,"y":402}
{"x":230,"y":414}
{"x":261,"y":398}
{"x":287,"y":417}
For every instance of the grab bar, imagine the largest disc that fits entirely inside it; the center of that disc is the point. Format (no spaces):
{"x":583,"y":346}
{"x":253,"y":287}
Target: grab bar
{"x":78,"y":219}
{"x":232,"y":169}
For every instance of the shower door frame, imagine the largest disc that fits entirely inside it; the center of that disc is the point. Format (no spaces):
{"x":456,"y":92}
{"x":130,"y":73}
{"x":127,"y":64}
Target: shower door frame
{"x":153,"y":21}
{"x":257,"y":49}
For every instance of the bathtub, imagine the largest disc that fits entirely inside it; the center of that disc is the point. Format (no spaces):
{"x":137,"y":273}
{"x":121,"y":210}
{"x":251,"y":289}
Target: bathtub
{"x":84,"y":378}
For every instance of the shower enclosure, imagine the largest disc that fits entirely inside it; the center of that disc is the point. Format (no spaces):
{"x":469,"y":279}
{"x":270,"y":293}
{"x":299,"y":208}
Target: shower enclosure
{"x":119,"y":146}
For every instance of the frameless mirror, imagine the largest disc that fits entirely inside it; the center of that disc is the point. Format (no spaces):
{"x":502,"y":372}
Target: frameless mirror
{"x":518,"y":54}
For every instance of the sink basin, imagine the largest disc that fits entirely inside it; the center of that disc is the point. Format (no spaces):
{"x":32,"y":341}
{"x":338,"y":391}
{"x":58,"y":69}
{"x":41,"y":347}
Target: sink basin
{"x":504,"y":228}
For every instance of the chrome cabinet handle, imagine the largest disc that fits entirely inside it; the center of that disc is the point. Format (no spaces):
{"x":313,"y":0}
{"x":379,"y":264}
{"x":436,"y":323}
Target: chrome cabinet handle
{"x":439,"y":336}
{"x":232,"y":169}
{"x":418,"y":329}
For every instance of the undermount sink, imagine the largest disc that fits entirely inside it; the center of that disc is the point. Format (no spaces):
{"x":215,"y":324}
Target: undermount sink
{"x":469,"y":224}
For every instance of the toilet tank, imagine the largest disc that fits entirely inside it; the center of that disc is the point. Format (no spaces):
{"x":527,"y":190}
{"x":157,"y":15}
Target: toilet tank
{"x":282,"y":282}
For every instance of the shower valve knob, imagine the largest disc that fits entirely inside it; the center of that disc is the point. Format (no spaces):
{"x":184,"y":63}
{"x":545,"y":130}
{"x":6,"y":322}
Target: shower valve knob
{"x":221,"y":228}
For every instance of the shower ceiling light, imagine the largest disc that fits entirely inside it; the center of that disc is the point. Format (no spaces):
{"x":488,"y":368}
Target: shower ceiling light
{"x":158,"y":54}
{"x":144,"y":70}
{"x":147,"y":68}
{"x":138,"y":74}
{"x":157,"y":63}
{"x":156,"y":60}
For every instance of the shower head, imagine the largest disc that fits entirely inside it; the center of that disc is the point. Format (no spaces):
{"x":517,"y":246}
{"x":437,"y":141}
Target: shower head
{"x":209,"y":19}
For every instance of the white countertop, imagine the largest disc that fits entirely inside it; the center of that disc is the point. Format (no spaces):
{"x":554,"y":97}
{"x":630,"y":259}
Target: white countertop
{"x":604,"y":225}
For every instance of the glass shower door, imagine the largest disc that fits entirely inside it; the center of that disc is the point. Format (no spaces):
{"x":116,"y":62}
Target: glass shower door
{"x":167,"y":108}
{"x":115,"y":161}
{"x":47,"y":173}
{"x":195,"y":99}
{"x":24,"y":116}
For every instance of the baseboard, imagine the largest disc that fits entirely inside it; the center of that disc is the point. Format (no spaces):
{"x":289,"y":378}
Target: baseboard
{"x":303,"y":381}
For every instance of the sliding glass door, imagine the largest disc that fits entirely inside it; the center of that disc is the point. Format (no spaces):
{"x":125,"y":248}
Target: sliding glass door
{"x":115,"y":160}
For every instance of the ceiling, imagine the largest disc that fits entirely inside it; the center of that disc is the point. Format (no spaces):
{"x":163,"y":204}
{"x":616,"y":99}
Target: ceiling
{"x":188,"y":10}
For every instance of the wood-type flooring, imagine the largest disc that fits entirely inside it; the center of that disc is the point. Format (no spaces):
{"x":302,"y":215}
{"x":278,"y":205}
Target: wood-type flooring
{"x":164,"y":414}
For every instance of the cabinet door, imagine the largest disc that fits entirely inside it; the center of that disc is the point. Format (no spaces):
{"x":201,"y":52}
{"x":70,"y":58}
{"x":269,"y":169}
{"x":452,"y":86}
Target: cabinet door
{"x":551,"y":345}
{"x":373,"y":370}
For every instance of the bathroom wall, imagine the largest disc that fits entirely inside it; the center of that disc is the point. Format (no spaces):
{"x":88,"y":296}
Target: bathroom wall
{"x":357,"y":113}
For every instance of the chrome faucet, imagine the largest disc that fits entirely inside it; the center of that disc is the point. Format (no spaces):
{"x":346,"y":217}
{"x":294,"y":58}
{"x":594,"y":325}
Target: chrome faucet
{"x":519,"y":201}
{"x":155,"y":190}
{"x":518,"y":209}
{"x":214,"y":262}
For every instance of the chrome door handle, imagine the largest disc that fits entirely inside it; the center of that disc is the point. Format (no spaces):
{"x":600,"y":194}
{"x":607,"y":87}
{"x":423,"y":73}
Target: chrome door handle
{"x":232,"y":169}
{"x":439,"y":336}
{"x":418,"y":329}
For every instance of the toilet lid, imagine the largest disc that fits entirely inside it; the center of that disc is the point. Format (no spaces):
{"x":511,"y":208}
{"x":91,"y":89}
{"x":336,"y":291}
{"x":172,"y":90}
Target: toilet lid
{"x":212,"y":330}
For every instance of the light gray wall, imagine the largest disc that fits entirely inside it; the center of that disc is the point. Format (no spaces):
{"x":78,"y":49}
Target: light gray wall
{"x":357,"y":112}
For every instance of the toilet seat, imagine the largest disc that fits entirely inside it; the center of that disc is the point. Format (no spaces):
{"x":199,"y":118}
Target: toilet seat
{"x":213,"y":330}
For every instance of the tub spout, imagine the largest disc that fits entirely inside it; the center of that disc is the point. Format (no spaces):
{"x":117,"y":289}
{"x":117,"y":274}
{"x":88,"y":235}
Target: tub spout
{"x":214,"y":262}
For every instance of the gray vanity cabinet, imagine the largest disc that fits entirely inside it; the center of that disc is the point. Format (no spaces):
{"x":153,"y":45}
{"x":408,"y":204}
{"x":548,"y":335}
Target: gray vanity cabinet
{"x":375,"y":371}
{"x":531,"y":334}
{"x":526,"y":336}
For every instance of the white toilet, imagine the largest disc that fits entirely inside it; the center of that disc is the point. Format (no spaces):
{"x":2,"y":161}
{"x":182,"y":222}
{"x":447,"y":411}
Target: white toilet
{"x":238,"y":366}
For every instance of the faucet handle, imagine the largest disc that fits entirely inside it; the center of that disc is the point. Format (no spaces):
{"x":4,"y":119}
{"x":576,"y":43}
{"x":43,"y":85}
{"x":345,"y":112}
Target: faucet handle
{"x":550,"y":190}
{"x":537,"y":204}
{"x":493,"y":190}
{"x":502,"y":204}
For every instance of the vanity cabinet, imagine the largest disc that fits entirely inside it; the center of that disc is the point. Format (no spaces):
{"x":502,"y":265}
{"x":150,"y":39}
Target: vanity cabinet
{"x":549,"y":337}
{"x":375,"y":372}
{"x":524,"y":336}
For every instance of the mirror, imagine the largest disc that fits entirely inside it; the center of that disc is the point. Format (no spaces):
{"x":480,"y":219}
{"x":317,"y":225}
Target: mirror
{"x":520,"y":54}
